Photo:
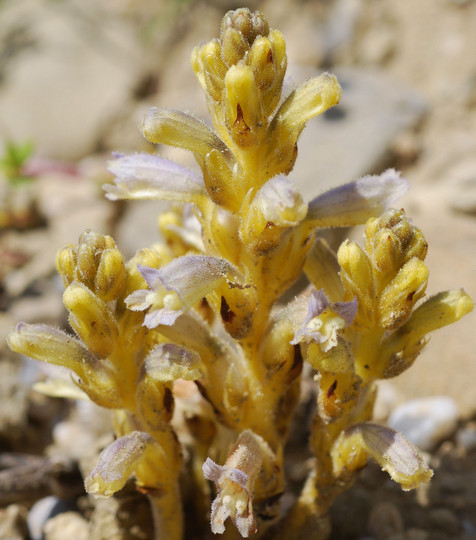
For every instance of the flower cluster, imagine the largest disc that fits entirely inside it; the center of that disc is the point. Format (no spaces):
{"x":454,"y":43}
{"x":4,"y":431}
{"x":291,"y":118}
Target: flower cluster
{"x":187,"y":342}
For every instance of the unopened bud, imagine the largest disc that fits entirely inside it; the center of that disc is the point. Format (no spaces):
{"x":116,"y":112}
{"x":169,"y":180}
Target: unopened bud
{"x":180,"y":129}
{"x":308,"y":100}
{"x":91,"y":319}
{"x":244,"y":114}
{"x":399,"y":297}
{"x":233,"y":46}
{"x":261,"y":60}
{"x":66,"y":261}
{"x":116,"y":463}
{"x":48,"y":344}
{"x":394,"y":453}
{"x":356,"y":269}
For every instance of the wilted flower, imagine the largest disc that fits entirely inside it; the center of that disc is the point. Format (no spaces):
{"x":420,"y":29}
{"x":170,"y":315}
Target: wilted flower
{"x":235,"y":485}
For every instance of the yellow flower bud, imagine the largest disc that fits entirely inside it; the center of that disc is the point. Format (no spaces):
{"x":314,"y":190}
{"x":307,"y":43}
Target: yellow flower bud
{"x":110,"y":276}
{"x":260,"y":25}
{"x":411,"y":242}
{"x":244,"y":115}
{"x":399,"y":297}
{"x":66,"y":261}
{"x":371,"y":229}
{"x":87,"y":263}
{"x":197,"y":66}
{"x":82,"y":263}
{"x":272,"y":94}
{"x":440,"y":310}
{"x":233,"y":46}
{"x":308,"y":100}
{"x":262,"y":63}
{"x":387,"y":251}
{"x":400,"y":349}
{"x":417,"y":246}
{"x":322,"y":269}
{"x":397,"y":221}
{"x":134,"y":280}
{"x":214,"y":69}
{"x":48,"y":344}
{"x":180,"y":129}
{"x":357,"y":277}
{"x":240,"y":19}
{"x":249,"y":24}
{"x":217,"y":175}
{"x":91,"y":319}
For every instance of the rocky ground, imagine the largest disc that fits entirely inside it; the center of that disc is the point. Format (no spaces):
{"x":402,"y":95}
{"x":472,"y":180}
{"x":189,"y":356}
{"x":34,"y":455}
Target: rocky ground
{"x":76,"y":77}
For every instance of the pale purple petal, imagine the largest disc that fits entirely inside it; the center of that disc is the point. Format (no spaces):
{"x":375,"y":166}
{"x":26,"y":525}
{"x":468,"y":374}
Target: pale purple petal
{"x":162,"y":316}
{"x":280,"y":202}
{"x":212,"y":471}
{"x":394,"y":453}
{"x":151,"y":275}
{"x":137,"y":301}
{"x":178,"y":285}
{"x":238,"y":476}
{"x":196,"y":275}
{"x":116,"y":463}
{"x":318,"y":303}
{"x":347,"y":310}
{"x":147,"y":176}
{"x":354,"y":203}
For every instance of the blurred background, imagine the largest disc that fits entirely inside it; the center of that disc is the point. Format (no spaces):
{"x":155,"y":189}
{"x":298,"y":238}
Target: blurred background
{"x":77,"y":76}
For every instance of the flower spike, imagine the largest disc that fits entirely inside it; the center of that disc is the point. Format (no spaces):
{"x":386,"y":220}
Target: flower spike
{"x":196,"y":342}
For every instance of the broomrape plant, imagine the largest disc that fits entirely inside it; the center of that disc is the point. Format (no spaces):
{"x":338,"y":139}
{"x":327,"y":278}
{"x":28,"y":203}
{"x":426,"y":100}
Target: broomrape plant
{"x":194,"y":324}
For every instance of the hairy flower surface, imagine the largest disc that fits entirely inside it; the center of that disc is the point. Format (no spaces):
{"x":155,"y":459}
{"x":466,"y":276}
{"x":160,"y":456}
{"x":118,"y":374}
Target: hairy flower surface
{"x":324,"y":321}
{"x":235,"y":484}
{"x":177,"y":286}
{"x":192,"y":344}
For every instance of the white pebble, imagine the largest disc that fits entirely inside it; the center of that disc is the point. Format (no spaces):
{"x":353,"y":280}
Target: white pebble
{"x":39,"y":513}
{"x":466,"y":437}
{"x":425,"y":421}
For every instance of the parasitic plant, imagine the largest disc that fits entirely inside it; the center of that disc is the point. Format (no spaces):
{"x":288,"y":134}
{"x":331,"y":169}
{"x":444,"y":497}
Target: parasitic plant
{"x":189,"y":344}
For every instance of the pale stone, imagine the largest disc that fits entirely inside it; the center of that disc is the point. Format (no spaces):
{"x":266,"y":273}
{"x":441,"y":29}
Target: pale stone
{"x":79,"y":71}
{"x":425,"y":421}
{"x":67,"y":525}
{"x":385,"y":520}
{"x":466,"y":437}
{"x":373,"y":110}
